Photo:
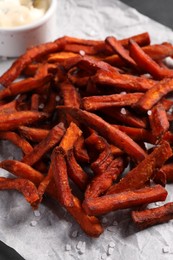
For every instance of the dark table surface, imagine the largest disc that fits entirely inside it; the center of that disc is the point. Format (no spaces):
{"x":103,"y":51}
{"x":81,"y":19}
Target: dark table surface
{"x":159,"y":10}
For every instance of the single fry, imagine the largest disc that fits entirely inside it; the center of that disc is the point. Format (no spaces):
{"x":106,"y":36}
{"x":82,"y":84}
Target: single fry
{"x":153,"y":95}
{"x":137,"y":134}
{"x":149,"y":217}
{"x":25,"y":186}
{"x":146,"y":63}
{"x":123,"y":82}
{"x":70,"y":95}
{"x":75,"y":171}
{"x":80,"y":150}
{"x":123,"y":200}
{"x":17,"y":140}
{"x":53,"y":138}
{"x":14,"y":120}
{"x":89,"y":224}
{"x":116,"y":100}
{"x":59,"y":170}
{"x":125,"y":116}
{"x":72,"y":134}
{"x":33,"y":134}
{"x":104,"y":159}
{"x":158,"y":121}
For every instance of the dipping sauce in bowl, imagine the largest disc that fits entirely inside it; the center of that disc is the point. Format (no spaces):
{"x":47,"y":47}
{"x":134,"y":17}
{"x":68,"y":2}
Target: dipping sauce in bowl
{"x":19,"y":12}
{"x":24,"y":24}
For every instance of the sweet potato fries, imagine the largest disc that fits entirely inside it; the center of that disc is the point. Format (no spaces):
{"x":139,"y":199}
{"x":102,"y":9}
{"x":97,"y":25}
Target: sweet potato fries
{"x":91,"y":117}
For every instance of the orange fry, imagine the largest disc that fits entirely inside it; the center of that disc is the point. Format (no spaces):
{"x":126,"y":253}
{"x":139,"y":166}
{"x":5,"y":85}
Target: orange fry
{"x":117,"y":47}
{"x":70,"y":95}
{"x":146,"y":63}
{"x":155,"y":51}
{"x":33,"y":134}
{"x":153,"y":95}
{"x":22,"y":170}
{"x":71,"y":135}
{"x":14,"y":120}
{"x":9,"y":107}
{"x":80,"y":150}
{"x":167,"y":170}
{"x":125,"y":116}
{"x":104,"y":159}
{"x":123,"y":200}
{"x":25,"y":186}
{"x":143,"y":172}
{"x":24,"y":86}
{"x":149,"y":217}
{"x":43,"y":186}
{"x":103,"y":181}
{"x":99,"y":102}
{"x":115,"y":136}
{"x":35,"y":102}
{"x":24,"y":60}
{"x":59,"y":170}
{"x":53,"y":138}
{"x":17,"y":140}
{"x":137,"y":134}
{"x":75,"y":171}
{"x":122,"y":81}
{"x":90,"y":224}
{"x":158,"y":121}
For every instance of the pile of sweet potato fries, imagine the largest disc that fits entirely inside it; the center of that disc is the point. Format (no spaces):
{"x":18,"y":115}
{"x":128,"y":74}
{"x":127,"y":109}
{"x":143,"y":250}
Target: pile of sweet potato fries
{"x":91,"y":116}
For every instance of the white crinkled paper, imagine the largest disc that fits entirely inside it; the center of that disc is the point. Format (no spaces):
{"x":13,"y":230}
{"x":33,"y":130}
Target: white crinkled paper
{"x":50,"y":233}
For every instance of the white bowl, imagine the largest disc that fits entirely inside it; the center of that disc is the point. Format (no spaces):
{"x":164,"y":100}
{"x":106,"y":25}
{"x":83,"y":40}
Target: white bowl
{"x":15,"y":41}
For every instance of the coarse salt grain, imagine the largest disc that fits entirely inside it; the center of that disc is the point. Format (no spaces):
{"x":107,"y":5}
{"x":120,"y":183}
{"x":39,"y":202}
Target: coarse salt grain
{"x":74,"y":234}
{"x":57,"y":98}
{"x":149,"y":112}
{"x":92,"y":33}
{"x":123,"y":92}
{"x":82,"y":53}
{"x":33,"y":223}
{"x":81,"y":247}
{"x":37,"y":213}
{"x":67,"y":247}
{"x":111,"y":244}
{"x":166,"y":249}
{"x":110,"y":250}
{"x":104,"y":220}
{"x":41,"y":106}
{"x":123,"y":111}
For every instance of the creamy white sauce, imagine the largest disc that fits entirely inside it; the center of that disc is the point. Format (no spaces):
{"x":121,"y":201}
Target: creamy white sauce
{"x":15,"y":13}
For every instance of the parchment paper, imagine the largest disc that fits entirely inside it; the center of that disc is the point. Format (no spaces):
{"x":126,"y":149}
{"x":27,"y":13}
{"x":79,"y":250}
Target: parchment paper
{"x":50,"y":233}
